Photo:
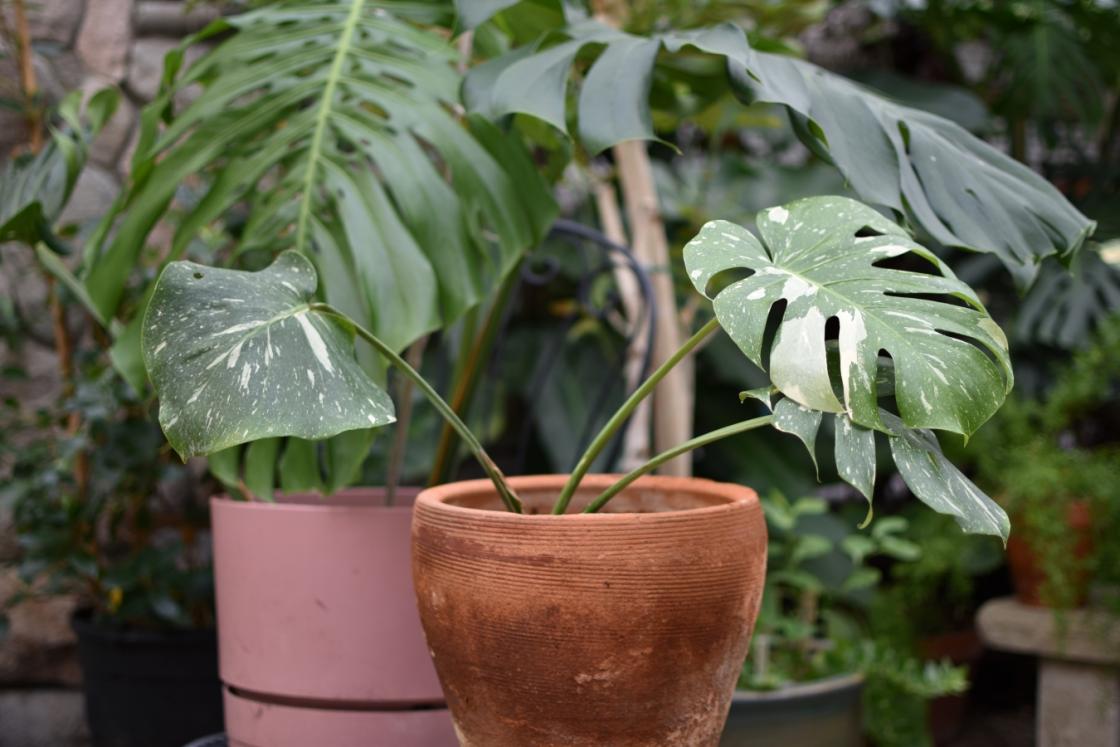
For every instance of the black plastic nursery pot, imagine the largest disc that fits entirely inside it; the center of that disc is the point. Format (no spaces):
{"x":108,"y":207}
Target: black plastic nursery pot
{"x":148,"y":688}
{"x":824,"y":713}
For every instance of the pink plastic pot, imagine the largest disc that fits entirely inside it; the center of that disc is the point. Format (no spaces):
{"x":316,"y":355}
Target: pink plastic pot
{"x":319,"y":639}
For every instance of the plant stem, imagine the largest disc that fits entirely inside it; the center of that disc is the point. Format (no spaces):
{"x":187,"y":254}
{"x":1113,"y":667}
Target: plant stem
{"x":619,"y":418}
{"x":414,"y":356}
{"x":492,"y":471}
{"x":467,"y":374}
{"x":673,"y":453}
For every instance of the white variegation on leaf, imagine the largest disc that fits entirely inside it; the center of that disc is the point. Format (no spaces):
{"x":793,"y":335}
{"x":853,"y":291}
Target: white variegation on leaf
{"x":238,"y":356}
{"x":819,"y":255}
{"x":917,"y":454}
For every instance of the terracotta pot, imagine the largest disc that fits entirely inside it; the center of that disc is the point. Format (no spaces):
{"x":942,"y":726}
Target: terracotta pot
{"x":963,"y":648}
{"x":824,"y":713}
{"x":621,"y":628}
{"x":1028,"y":576}
{"x":318,"y":634}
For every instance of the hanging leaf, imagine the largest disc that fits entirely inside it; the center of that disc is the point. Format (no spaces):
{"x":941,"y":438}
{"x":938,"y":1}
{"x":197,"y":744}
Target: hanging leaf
{"x":818,"y":256}
{"x":333,"y":123}
{"x":239,"y":356}
{"x":917,"y":454}
{"x":939,"y":484}
{"x":957,"y":189}
{"x":1066,"y":306}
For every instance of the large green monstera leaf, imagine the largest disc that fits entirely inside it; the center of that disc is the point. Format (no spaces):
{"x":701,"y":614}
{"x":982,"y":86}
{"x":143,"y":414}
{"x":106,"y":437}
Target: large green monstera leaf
{"x":818,"y":260}
{"x":956,"y":188}
{"x":238,"y":356}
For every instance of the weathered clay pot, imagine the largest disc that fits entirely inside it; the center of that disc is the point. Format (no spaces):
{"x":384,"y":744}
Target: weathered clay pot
{"x":1027,"y":572}
{"x":319,"y":638}
{"x":622,"y":628}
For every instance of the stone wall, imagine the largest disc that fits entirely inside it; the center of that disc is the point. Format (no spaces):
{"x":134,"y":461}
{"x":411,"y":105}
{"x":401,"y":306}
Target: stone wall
{"x":86,"y":45}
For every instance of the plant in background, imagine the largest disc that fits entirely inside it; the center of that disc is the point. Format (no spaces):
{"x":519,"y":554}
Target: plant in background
{"x":127,"y":533}
{"x":816,"y":620}
{"x":1046,"y":454}
{"x":936,"y":593}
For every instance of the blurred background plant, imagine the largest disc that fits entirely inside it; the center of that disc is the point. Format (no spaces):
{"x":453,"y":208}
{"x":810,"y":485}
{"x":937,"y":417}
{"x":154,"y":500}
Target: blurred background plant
{"x":824,"y":580}
{"x":125,"y":532}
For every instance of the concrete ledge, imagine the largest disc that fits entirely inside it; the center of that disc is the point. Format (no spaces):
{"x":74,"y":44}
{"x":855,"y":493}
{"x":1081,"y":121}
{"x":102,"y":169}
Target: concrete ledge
{"x":1081,"y":635}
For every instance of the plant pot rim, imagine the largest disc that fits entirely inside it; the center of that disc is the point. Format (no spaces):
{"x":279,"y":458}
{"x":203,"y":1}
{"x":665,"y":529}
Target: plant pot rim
{"x":809,"y":689}
{"x":82,"y":623}
{"x":732,"y":498}
{"x":357,"y":499}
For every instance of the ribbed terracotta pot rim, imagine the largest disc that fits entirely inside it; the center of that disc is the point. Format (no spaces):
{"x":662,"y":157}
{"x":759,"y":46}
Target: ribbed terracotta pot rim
{"x":730,"y":497}
{"x":312,"y":502}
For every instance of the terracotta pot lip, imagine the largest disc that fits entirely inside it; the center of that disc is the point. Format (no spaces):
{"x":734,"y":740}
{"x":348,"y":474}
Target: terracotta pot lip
{"x":796,"y":691}
{"x":736,"y":496}
{"x":307,"y":502}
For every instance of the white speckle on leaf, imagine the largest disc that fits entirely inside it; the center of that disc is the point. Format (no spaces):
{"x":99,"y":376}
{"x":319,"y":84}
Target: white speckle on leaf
{"x":243,"y":327}
{"x":311,"y":376}
{"x":234,"y":355}
{"x":318,"y":347}
{"x":246,"y":373}
{"x":778,"y":215}
{"x":797,"y":287}
{"x":289,"y":286}
{"x":695,"y":274}
{"x":756,"y":294}
{"x":159,"y":347}
{"x":196,"y":394}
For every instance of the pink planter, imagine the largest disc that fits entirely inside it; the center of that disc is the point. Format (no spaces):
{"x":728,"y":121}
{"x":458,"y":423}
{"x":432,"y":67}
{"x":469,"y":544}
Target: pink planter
{"x":318,"y":634}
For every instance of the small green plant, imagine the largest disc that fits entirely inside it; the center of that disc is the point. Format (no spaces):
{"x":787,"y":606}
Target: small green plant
{"x":102,"y":512}
{"x":1043,"y":455}
{"x":815,"y":621}
{"x":251,"y":357}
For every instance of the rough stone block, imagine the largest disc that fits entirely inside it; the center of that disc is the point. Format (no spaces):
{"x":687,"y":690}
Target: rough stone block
{"x":54,"y":20}
{"x":107,"y":149}
{"x":170,"y":18}
{"x":42,"y":718}
{"x":1078,"y":705}
{"x":93,"y":194}
{"x":104,"y":37}
{"x":39,"y":648}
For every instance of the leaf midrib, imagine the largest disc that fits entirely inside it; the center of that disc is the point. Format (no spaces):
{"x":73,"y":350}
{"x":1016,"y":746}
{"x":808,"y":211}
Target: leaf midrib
{"x":326,"y":104}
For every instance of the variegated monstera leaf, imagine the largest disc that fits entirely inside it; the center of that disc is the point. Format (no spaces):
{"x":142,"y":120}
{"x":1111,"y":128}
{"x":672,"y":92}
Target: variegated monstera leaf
{"x":820,"y":259}
{"x":240,"y":356}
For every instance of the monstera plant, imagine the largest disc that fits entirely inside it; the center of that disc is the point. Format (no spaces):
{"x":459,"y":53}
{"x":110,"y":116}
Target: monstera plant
{"x":238,"y":356}
{"x":817,"y":299}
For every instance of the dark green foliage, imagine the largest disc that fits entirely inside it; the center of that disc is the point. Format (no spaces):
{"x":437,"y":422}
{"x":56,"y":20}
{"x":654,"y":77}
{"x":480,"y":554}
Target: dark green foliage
{"x":103,"y":512}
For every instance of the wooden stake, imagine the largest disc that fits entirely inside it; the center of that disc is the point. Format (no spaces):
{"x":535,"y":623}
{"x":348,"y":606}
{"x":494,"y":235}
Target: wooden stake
{"x":673,"y":398}
{"x":636,"y":439}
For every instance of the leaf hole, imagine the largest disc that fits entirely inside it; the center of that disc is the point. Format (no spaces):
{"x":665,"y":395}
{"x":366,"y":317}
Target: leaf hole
{"x":868,"y":231}
{"x":724,"y":278}
{"x":197,"y":275}
{"x":945,"y":298}
{"x":976,"y":344}
{"x":773,"y":321}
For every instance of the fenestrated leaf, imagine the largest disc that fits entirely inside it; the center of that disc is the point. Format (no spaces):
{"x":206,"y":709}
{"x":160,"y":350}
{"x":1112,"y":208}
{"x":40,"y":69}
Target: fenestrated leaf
{"x":239,"y":356}
{"x":334,"y":124}
{"x":855,"y":456}
{"x":791,"y":417}
{"x":1065,"y":306}
{"x":818,"y":255}
{"x":959,"y":190}
{"x":939,"y":484}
